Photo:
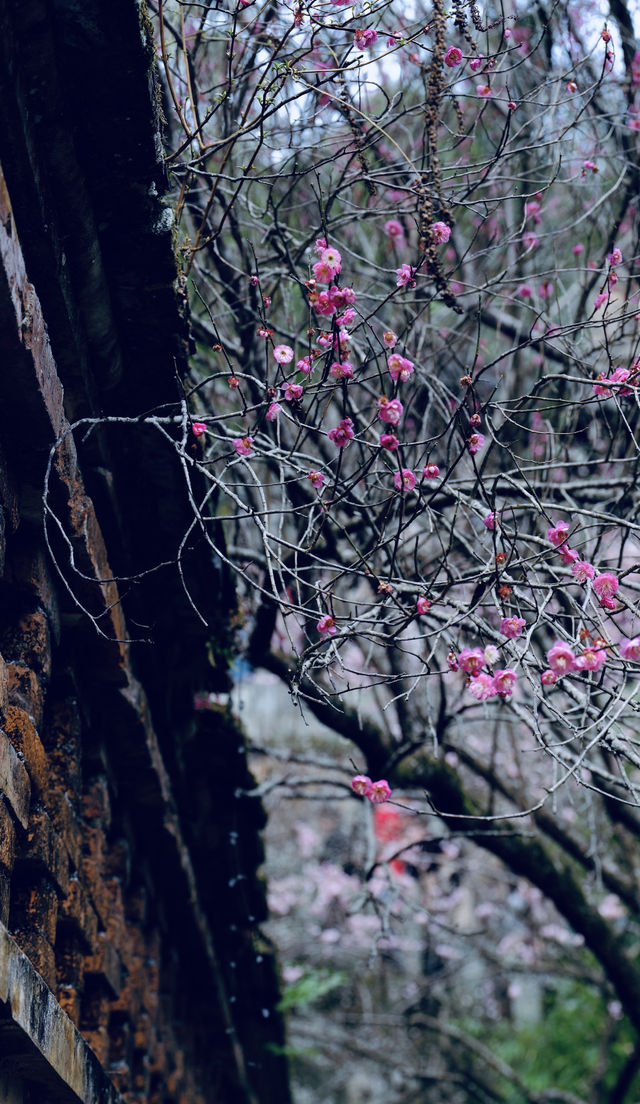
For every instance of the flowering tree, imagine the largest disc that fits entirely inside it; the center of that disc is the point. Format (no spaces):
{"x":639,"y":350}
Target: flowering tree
{"x":410,"y":238}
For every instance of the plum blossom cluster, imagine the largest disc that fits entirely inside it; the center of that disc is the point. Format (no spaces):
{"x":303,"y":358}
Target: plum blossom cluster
{"x":376,"y":792}
{"x":605,"y":585}
{"x":483,"y":684}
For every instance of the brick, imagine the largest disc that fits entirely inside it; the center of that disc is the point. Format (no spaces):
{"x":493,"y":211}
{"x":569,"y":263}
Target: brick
{"x":67,"y":825}
{"x":28,"y":642}
{"x":96,"y":1007}
{"x":105,"y":964}
{"x":5,"y":887}
{"x":23,"y":735}
{"x":98,"y":1040}
{"x":70,"y":958}
{"x":142,"y":1033}
{"x":77,"y":912}
{"x":61,"y":737}
{"x":45,"y":851}
{"x":4,"y":690}
{"x":121,"y":1077}
{"x":40,"y":954}
{"x":15,"y":786}
{"x":34,"y":907}
{"x":26,"y":691}
{"x":121,"y":1035}
{"x":29,"y":569}
{"x":7,"y":839}
{"x":96,"y":803}
{"x":70,"y":1001}
{"x":137,"y":905}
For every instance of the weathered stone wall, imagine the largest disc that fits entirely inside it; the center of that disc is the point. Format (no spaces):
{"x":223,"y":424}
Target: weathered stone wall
{"x":129,"y":895}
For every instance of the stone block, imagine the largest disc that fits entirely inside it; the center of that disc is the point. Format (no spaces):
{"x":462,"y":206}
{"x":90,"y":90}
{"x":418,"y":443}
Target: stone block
{"x":26,"y":691}
{"x":44,"y":850}
{"x":70,"y":958}
{"x":15,"y":785}
{"x":69,"y":1000}
{"x":4,"y":691}
{"x":67,"y":825}
{"x":5,"y":897}
{"x":29,"y":569}
{"x":98,"y":1040}
{"x":40,"y":954}
{"x":105,"y":965}
{"x":28,"y":641}
{"x":77,"y":912}
{"x":96,"y":803}
{"x":7,"y":839}
{"x":34,"y":907}
{"x":61,"y":737}
{"x":23,"y":735}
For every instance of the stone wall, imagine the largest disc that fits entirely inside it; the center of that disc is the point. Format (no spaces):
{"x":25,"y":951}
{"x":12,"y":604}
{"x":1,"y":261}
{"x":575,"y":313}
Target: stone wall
{"x":131,"y":964}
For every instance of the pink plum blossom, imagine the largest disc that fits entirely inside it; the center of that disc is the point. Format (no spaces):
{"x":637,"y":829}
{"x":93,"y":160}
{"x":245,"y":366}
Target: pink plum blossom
{"x":475,"y":443}
{"x":512,"y":627}
{"x":489,"y":520}
{"x":361,"y":784}
{"x":583,"y":570}
{"x":331,"y":257}
{"x":292,"y":391}
{"x":400,"y":368}
{"x":548,"y":677}
{"x":615,"y":257}
{"x":341,"y":371}
{"x":452,"y":57}
{"x":198,"y":428}
{"x":380,"y":791}
{"x":389,"y":441}
{"x":482,"y":686}
{"x":440,"y":233}
{"x":317,"y":478}
{"x":568,"y":555}
{"x":283,"y":354}
{"x":390,"y":338}
{"x":342,"y":433}
{"x":365,"y":37}
{"x":530,"y":240}
{"x":471,"y":660}
{"x":431,"y":471}
{"x":484,"y":90}
{"x":505,"y":680}
{"x":404,"y":276}
{"x":606,"y":586}
{"x":390,"y":410}
{"x":591,"y":659}
{"x":327,"y":626}
{"x":561,"y":658}
{"x":630,"y":649}
{"x":273,"y":411}
{"x":243,"y":445}
{"x":404,"y":480}
{"x":394,"y":229}
{"x":422,"y":605}
{"x":558,"y":533}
